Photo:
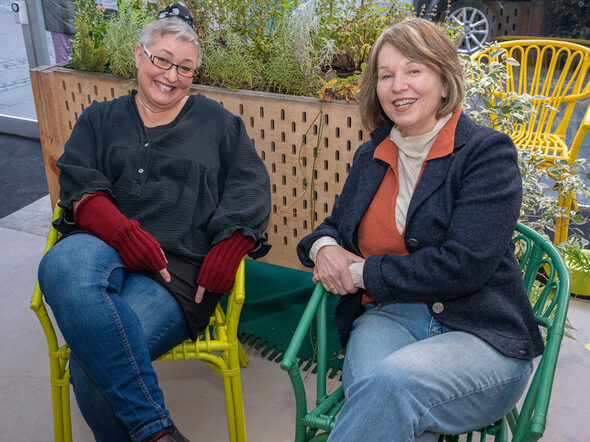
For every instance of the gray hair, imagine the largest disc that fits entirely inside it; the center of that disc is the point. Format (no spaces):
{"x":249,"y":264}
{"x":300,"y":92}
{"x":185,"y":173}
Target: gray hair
{"x":173,"y":26}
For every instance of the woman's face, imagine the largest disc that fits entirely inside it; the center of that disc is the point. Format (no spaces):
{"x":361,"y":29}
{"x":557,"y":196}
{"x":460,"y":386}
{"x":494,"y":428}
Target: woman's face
{"x":409,"y":92}
{"x":162,"y":88}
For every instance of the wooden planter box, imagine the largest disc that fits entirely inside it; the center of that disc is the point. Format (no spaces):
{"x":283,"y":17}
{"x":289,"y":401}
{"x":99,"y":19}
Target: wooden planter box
{"x":284,"y":129}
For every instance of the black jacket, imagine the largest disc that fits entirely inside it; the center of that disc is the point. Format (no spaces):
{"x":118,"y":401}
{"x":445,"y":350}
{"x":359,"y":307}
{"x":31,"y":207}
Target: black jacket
{"x":190,"y":188}
{"x":458,"y":231}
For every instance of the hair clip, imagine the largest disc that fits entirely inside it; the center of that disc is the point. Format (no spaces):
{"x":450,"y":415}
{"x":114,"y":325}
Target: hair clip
{"x":177,"y":10}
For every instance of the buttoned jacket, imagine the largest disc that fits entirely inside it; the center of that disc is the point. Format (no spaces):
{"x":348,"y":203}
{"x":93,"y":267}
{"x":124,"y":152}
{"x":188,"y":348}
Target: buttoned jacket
{"x":459,"y":226}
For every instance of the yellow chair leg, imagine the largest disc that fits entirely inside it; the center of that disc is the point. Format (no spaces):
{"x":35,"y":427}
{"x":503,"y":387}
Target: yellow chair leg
{"x":67,"y":417}
{"x":238,"y":404}
{"x":58,"y":413}
{"x":229,"y":408}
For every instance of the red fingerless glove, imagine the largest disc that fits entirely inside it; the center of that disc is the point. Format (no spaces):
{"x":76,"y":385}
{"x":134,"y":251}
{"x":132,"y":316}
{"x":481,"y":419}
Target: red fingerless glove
{"x":221,"y":263}
{"x":138,"y":249}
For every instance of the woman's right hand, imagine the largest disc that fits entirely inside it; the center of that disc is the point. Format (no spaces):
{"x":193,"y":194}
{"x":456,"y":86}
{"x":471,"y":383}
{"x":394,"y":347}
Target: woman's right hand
{"x":331,"y":269}
{"x":138,"y":249}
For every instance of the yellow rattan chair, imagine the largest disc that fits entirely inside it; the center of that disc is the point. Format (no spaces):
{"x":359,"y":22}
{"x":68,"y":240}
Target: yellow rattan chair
{"x":217,"y":346}
{"x":557,"y":71}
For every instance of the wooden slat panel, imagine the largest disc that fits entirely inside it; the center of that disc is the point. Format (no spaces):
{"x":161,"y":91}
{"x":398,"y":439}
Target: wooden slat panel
{"x":277,"y":125}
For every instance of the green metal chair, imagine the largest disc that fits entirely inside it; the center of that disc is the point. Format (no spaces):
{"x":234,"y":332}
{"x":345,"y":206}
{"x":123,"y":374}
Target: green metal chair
{"x":539,"y":261}
{"x":218,"y":347}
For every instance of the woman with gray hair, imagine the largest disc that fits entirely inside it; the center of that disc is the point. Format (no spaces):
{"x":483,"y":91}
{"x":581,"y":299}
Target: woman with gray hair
{"x":438,"y":329}
{"x":162,"y":194}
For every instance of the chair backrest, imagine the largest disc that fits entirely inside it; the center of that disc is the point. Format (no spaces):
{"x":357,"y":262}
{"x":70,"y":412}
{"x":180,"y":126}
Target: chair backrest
{"x":555,"y":72}
{"x":547,"y":281}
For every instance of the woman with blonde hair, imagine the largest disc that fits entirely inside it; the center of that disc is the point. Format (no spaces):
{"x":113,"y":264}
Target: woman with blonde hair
{"x":437,"y":326}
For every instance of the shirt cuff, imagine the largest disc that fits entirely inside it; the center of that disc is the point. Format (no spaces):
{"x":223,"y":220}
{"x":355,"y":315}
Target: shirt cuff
{"x":318,"y":244}
{"x":356,"y":273}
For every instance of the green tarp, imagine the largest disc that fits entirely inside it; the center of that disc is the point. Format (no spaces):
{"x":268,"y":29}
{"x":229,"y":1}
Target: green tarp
{"x":275,"y":299}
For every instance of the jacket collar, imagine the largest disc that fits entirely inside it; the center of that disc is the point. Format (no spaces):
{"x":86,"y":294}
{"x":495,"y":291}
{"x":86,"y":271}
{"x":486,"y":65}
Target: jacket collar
{"x":433,"y":176}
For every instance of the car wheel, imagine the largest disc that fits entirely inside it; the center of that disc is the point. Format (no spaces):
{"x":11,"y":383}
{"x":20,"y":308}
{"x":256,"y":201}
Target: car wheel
{"x":472,"y":18}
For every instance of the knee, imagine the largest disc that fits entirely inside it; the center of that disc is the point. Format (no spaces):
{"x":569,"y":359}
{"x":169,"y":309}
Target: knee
{"x":54,"y":272}
{"x":73,"y":262}
{"x":396,"y":379}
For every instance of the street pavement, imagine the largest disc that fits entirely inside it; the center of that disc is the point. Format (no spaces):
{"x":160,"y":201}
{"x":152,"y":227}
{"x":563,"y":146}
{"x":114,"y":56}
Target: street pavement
{"x":16,"y":95}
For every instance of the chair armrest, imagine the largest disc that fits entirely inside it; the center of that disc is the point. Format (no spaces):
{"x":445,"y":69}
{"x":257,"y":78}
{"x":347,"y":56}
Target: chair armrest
{"x":235,"y":301}
{"x":52,"y":237}
{"x":289,"y":362}
{"x":290,"y":357}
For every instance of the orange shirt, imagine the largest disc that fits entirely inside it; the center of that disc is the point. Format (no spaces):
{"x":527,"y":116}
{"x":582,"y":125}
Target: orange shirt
{"x":377,"y":232}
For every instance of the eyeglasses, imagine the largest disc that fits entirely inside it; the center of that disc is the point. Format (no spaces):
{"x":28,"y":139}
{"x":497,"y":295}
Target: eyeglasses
{"x":174,"y":11}
{"x":162,"y":63}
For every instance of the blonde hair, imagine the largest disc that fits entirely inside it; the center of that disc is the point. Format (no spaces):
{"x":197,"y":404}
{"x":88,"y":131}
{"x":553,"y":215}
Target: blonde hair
{"x":421,"y":41}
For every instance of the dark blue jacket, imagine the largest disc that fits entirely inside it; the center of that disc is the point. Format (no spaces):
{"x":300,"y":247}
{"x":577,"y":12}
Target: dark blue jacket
{"x":458,"y":231}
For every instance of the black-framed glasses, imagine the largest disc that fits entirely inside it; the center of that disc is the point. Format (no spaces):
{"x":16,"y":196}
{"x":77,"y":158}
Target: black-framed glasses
{"x":162,"y":63}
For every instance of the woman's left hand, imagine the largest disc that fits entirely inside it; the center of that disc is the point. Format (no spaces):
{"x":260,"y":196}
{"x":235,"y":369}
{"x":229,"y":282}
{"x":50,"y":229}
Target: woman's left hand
{"x":331,"y":269}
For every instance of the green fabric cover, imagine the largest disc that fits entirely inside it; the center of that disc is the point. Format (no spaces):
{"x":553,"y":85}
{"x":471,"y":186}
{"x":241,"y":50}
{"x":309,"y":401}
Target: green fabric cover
{"x":275,"y":299}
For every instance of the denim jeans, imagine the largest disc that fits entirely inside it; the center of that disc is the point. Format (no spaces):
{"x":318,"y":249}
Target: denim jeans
{"x":408,"y":378}
{"x":115,"y":323}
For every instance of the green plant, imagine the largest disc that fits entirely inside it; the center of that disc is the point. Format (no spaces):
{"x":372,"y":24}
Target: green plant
{"x":286,"y":46}
{"x":484,"y":99}
{"x":355,"y":27}
{"x":122,"y":33}
{"x":228,"y":62}
{"x":342,"y":88}
{"x":578,"y":259}
{"x":88,"y":48}
{"x":282,"y":71}
{"x":297,"y":53}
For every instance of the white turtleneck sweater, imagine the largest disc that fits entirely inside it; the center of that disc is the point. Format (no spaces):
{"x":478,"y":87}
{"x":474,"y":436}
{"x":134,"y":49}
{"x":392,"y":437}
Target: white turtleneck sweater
{"x":412,"y":151}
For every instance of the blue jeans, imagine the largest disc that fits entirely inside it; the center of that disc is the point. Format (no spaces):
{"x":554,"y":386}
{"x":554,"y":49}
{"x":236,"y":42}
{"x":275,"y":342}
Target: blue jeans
{"x":115,"y":323}
{"x":407,"y":378}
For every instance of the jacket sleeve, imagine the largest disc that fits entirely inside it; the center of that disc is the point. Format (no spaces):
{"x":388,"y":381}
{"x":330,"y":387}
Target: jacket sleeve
{"x":476,"y":211}
{"x":79,"y":166}
{"x":244,"y":202}
{"x":327,"y":228}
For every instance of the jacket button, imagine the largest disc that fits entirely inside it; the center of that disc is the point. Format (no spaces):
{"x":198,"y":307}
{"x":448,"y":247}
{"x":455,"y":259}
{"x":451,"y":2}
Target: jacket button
{"x":413,"y":242}
{"x":522,"y":352}
{"x":438,"y":307}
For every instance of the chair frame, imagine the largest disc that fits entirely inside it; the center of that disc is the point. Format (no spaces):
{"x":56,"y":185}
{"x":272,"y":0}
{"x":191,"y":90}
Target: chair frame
{"x":528,"y":424}
{"x":217,"y":346}
{"x":566,"y":81}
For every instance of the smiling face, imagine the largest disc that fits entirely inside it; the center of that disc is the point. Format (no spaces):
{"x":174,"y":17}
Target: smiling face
{"x":162,"y":89}
{"x":409,"y":92}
